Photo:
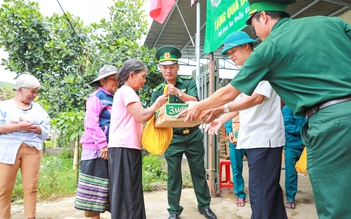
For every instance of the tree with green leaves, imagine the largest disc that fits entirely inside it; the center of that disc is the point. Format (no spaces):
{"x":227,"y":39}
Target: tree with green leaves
{"x":65,"y":54}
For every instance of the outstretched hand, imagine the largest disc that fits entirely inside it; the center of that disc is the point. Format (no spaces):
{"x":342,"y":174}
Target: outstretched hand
{"x":209,"y":115}
{"x":191,"y":113}
{"x":213,"y":127}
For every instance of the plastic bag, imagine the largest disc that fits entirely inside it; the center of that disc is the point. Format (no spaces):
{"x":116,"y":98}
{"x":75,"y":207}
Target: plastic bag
{"x":156,"y":140}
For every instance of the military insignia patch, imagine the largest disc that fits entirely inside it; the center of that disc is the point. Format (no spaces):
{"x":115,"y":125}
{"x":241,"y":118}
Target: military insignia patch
{"x":186,"y":77}
{"x":158,"y":87}
{"x":167,"y":55}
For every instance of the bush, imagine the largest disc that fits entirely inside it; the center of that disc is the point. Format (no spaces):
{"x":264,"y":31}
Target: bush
{"x":153,"y":171}
{"x":56,"y":178}
{"x":66,"y":154}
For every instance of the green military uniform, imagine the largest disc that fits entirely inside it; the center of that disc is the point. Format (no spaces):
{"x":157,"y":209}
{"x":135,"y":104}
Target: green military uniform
{"x":311,"y":71}
{"x":307,"y":61}
{"x":191,"y":145}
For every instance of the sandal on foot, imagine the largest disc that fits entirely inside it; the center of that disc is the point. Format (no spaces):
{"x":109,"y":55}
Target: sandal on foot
{"x":240,"y":202}
{"x":290,"y":204}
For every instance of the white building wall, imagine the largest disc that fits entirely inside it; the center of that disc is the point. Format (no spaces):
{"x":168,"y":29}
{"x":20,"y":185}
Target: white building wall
{"x":346,"y":16}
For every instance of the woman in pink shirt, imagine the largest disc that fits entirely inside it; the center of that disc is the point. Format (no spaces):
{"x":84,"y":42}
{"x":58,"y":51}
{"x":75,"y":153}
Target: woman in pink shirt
{"x":124,"y":147}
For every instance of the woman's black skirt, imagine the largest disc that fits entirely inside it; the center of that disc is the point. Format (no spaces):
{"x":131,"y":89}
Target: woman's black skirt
{"x":126,"y":190}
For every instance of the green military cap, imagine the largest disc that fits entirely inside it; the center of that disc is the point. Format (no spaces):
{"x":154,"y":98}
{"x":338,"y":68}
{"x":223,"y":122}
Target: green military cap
{"x":267,"y":5}
{"x":168,"y":55}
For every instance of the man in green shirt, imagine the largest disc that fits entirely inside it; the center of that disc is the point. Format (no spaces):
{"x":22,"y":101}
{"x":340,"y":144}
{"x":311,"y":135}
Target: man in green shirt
{"x":186,"y":141}
{"x":307,"y":61}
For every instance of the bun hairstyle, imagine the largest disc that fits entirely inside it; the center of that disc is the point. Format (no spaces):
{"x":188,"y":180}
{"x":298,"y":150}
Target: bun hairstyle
{"x":131,"y":65}
{"x":27,"y":80}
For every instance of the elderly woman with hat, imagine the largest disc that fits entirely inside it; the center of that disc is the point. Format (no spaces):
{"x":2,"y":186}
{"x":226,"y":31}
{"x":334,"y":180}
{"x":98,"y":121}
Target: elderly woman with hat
{"x":24,"y":125}
{"x":92,"y":192}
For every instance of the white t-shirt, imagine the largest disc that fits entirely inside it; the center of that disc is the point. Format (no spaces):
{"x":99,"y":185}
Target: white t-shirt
{"x":262,"y":126}
{"x":11,"y":142}
{"x":125,"y":131}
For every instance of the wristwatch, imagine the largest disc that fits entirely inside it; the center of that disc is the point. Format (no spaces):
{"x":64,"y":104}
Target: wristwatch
{"x":180,"y":93}
{"x":226,"y":108}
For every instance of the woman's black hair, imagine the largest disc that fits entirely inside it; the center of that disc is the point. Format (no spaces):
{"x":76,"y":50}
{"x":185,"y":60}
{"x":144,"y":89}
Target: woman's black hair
{"x":96,"y":84}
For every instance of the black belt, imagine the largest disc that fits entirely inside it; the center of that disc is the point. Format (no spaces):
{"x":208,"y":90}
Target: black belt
{"x":313,"y":109}
{"x":185,"y":131}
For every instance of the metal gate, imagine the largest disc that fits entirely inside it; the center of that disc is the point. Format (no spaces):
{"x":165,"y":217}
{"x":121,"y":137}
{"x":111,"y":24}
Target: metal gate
{"x":208,"y":82}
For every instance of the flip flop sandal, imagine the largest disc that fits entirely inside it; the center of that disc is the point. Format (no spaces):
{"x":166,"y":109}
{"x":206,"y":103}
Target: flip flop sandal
{"x":240,"y":202}
{"x":290,"y":204}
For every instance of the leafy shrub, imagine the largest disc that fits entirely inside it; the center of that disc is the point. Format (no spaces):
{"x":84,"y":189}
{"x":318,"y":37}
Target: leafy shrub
{"x":48,"y":173}
{"x":153,"y":171}
{"x":70,"y":125}
{"x":66,"y":154}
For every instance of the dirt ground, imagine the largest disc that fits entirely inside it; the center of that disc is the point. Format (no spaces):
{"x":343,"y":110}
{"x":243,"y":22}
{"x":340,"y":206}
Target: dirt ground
{"x":156,"y":205}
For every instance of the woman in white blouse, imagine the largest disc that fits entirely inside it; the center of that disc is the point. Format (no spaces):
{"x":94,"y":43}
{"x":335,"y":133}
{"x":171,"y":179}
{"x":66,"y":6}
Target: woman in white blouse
{"x":24,"y":125}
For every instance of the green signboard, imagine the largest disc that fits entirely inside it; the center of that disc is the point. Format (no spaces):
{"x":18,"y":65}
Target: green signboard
{"x":222,"y":18}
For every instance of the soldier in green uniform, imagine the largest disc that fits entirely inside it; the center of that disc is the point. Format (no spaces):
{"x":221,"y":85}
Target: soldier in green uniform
{"x":307,"y":61}
{"x":186,"y":141}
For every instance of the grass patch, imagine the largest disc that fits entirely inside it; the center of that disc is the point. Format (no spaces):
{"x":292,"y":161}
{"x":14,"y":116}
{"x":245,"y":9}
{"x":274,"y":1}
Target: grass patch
{"x":58,"y":179}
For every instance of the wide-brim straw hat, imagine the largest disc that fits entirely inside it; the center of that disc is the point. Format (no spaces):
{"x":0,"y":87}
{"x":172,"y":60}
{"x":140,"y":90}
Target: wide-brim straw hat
{"x":104,"y":72}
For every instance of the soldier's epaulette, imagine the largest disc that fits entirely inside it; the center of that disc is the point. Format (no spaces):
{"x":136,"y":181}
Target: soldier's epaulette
{"x":158,"y":87}
{"x":186,"y":77}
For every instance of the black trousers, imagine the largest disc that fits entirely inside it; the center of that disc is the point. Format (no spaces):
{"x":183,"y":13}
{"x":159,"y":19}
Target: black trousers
{"x":266,"y":194}
{"x":126,"y":190}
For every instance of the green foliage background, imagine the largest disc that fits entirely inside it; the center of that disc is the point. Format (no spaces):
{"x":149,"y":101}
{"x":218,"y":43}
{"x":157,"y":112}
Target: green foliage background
{"x":65,"y":60}
{"x":6,"y":91}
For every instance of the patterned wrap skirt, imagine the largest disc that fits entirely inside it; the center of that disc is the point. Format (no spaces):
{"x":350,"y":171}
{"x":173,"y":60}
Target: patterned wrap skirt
{"x":93,"y":186}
